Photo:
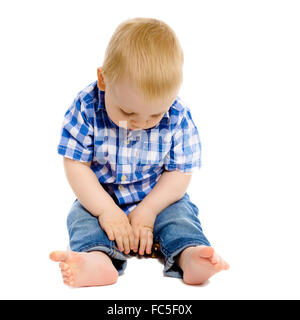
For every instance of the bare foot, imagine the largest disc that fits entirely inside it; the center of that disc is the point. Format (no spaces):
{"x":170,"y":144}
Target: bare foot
{"x":200,"y":263}
{"x":85,"y":269}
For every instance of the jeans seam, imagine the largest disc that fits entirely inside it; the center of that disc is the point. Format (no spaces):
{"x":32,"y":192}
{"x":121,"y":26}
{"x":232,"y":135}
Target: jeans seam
{"x":166,"y":252}
{"x":112,"y":252}
{"x":182,"y":247}
{"x":94,"y":245}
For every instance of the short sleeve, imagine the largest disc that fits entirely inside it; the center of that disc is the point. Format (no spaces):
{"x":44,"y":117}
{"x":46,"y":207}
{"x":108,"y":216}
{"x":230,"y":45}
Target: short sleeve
{"x":77,"y":134}
{"x":185,"y":152}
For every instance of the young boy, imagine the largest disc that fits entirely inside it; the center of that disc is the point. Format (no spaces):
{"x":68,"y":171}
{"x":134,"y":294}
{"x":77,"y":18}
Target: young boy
{"x":130,"y":145}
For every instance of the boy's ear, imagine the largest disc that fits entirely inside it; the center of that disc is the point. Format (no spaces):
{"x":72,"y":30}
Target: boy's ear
{"x":101,"y":84}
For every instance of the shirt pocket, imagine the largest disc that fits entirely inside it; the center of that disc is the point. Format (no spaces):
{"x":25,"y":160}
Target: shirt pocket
{"x":151,"y":156}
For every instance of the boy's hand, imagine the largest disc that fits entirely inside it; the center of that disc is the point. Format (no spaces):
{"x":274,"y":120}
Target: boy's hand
{"x":142,"y":224}
{"x":117,"y":227}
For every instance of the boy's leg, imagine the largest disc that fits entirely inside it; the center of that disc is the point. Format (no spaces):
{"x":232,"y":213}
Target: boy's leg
{"x":179,"y":232}
{"x":90,"y":248}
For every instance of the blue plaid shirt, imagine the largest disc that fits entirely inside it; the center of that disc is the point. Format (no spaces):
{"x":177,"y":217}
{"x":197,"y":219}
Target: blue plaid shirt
{"x":128,"y":163}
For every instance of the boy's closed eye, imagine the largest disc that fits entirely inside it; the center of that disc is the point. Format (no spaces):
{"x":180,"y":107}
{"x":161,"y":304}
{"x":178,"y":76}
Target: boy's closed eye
{"x":132,"y":113}
{"x":126,"y":113}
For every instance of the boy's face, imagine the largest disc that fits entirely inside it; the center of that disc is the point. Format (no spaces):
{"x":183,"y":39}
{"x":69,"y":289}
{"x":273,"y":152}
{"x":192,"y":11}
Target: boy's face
{"x":124,"y":104}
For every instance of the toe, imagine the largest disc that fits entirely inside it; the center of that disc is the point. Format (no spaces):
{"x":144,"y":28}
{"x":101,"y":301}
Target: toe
{"x":58,"y":256}
{"x":206,"y":252}
{"x":67,"y":282}
{"x":226,"y":265}
{"x":64,"y":266}
{"x":214,"y":259}
{"x":67,"y":277}
{"x":66,"y":273}
{"x":218,"y":266}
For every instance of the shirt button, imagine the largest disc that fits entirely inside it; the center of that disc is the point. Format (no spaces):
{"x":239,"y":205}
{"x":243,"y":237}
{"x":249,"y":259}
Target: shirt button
{"x":120,"y":187}
{"x":123,"y":178}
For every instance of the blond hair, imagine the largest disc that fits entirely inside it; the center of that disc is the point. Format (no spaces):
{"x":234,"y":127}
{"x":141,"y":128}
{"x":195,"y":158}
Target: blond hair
{"x":148,"y":53}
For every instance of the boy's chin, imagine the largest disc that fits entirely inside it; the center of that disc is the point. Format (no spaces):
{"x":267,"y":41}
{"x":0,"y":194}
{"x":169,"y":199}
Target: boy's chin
{"x":136,"y":129}
{"x":130,"y":128}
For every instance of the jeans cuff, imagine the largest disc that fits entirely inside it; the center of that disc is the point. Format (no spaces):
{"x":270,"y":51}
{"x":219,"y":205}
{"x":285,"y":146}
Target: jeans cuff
{"x":117,"y":258}
{"x":172,"y":269}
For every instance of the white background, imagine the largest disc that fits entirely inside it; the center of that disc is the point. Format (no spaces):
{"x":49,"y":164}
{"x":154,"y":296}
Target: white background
{"x":241,"y":81}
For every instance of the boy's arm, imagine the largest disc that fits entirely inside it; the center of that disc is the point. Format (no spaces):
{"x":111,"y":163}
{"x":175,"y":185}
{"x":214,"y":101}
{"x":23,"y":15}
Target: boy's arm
{"x":86,"y":187}
{"x":170,"y":188}
{"x":99,"y":203}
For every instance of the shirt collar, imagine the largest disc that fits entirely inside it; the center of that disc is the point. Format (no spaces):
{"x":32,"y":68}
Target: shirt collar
{"x":101,"y":106}
{"x":101,"y":99}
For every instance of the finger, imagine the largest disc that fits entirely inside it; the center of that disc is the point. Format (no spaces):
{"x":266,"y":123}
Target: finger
{"x":143,"y":241}
{"x":131,"y":238}
{"x":126,"y":243}
{"x":119,"y":241}
{"x":136,"y":240}
{"x":109,"y":233}
{"x":149,"y":242}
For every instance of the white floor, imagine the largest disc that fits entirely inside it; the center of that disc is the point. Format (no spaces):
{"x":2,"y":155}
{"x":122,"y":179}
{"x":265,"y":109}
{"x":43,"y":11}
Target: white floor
{"x":263,"y":255}
{"x":38,"y":278}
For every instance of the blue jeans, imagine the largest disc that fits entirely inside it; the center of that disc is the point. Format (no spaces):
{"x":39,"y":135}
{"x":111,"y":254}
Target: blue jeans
{"x":176,"y":228}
